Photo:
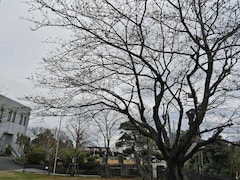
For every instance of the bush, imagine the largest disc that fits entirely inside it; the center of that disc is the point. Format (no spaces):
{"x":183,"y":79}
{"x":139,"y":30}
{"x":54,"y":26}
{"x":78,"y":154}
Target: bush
{"x":20,"y":160}
{"x":8,"y":150}
{"x":90,"y":165}
{"x":92,"y":158}
{"x":37,"y":155}
{"x":67,"y":157}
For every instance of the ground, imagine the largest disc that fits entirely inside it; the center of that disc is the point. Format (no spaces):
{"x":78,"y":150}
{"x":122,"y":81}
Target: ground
{"x":10,"y":170}
{"x":13,"y":175}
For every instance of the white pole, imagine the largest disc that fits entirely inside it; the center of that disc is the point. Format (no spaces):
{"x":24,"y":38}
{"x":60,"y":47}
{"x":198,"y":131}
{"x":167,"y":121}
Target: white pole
{"x":56,"y":154}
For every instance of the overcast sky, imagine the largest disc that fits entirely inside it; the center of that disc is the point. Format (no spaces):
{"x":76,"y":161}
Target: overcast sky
{"x":21,"y":50}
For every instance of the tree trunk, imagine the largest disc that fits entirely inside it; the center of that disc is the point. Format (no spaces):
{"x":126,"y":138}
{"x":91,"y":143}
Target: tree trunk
{"x":106,"y":166}
{"x":147,"y":174}
{"x":175,"y":171}
{"x":50,"y":164}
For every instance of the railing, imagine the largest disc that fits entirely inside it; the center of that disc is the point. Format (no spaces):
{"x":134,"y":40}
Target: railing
{"x":208,"y":177}
{"x":15,"y":153}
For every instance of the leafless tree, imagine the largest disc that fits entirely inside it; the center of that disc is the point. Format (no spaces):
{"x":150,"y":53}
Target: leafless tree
{"x":105,"y":125}
{"x":77,"y":128}
{"x":153,"y":61}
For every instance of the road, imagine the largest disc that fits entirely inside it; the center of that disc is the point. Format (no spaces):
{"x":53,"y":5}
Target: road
{"x":7,"y":163}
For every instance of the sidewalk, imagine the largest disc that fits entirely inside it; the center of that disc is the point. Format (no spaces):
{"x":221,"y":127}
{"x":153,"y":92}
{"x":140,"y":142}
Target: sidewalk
{"x":39,"y":171}
{"x":32,"y":170}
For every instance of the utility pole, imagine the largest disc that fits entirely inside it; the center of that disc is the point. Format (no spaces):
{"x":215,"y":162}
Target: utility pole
{"x":56,"y":154}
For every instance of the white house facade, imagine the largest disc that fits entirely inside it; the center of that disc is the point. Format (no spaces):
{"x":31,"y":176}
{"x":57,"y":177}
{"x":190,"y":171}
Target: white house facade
{"x":14,"y":119}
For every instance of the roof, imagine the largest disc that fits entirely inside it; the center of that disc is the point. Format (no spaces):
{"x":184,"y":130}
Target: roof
{"x":9,"y":103}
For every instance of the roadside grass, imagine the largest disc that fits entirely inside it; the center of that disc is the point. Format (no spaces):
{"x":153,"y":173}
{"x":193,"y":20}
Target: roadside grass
{"x":12,"y":175}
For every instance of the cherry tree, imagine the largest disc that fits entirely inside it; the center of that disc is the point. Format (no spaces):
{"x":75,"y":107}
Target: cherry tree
{"x":154,"y":62}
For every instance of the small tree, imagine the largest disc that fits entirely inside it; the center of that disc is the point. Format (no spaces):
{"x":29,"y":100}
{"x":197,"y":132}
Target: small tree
{"x":141,"y":147}
{"x":67,"y":156}
{"x":37,"y":155}
{"x":219,"y":158}
{"x":106,"y":124}
{"x":46,"y":139}
{"x":8,"y":150}
{"x":77,"y":129}
{"x":24,"y":143}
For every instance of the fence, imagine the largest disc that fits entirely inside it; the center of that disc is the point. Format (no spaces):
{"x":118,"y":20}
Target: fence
{"x":124,"y":170}
{"x":208,"y":177}
{"x":129,"y":170}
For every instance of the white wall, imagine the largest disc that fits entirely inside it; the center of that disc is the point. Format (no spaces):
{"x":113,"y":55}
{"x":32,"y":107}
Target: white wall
{"x":14,"y":119}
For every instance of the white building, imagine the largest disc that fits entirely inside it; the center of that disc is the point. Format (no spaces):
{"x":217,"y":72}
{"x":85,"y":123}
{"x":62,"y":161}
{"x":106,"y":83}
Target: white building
{"x":14,"y":119}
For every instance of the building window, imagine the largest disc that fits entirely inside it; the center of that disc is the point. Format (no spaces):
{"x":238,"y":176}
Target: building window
{"x":1,"y":113}
{"x":17,"y":138}
{"x":14,"y":117}
{"x":9,"y":116}
{"x":21,"y":118}
{"x":25,"y":120}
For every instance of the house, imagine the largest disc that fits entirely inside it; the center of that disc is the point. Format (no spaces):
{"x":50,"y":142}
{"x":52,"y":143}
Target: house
{"x":14,"y":119}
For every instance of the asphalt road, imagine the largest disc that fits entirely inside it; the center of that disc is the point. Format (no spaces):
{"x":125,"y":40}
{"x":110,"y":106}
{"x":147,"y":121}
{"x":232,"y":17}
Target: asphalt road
{"x":7,"y":163}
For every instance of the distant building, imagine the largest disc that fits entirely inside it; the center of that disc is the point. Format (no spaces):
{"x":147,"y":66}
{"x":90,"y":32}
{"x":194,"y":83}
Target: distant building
{"x":93,"y":150}
{"x":14,"y":119}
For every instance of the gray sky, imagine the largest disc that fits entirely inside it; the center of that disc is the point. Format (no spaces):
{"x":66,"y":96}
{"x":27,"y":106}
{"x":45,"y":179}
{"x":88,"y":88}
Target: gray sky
{"x":20,"y":49}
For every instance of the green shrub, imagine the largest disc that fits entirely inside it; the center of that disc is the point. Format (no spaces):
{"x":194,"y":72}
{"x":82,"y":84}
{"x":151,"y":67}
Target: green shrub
{"x":91,"y":158}
{"x":67,"y":158}
{"x":90,"y":165}
{"x":37,"y":155}
{"x":20,"y":160}
{"x":8,"y":150}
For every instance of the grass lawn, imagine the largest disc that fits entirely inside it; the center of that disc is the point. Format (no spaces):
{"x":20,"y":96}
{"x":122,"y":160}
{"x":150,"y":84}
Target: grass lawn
{"x":8,"y":175}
